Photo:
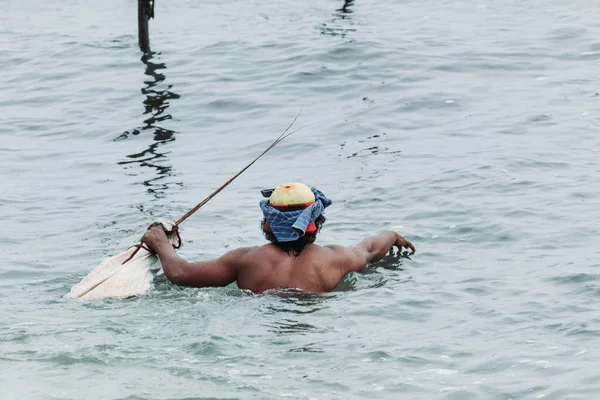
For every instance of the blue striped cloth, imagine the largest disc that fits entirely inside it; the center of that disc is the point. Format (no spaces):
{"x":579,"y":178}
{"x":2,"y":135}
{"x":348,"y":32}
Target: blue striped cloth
{"x":288,"y":226}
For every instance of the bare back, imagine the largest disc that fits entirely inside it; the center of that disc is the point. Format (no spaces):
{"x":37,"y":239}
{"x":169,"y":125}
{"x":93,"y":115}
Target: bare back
{"x":315,"y":269}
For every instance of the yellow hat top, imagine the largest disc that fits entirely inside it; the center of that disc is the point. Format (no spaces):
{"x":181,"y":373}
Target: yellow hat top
{"x":293,"y":193}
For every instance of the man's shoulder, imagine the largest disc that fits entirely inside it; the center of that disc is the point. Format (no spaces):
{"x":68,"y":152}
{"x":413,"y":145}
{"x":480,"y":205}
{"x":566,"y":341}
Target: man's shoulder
{"x":254,"y":251}
{"x":238,"y":253}
{"x":332,"y":252}
{"x":337,"y":248}
{"x":345,"y":254}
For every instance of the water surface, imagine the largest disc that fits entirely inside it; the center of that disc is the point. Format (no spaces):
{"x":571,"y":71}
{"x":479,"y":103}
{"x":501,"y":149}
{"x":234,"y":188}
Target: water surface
{"x":470,"y":127}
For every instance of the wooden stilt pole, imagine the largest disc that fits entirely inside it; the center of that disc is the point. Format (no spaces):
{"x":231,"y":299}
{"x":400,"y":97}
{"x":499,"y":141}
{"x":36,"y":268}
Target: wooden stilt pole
{"x":145,"y":12}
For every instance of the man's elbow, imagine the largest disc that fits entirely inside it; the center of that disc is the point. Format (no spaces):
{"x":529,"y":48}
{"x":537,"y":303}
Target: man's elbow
{"x":174,"y":277}
{"x":175,"y":273}
{"x":360,"y":260}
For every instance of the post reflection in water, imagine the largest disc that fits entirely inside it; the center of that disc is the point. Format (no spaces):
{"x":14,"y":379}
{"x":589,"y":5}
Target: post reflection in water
{"x":341,"y":19}
{"x":156,"y":103}
{"x":346,"y":7}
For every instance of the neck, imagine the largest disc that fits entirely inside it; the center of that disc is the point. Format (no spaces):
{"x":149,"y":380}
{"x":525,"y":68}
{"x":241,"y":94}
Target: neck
{"x":293,"y":249}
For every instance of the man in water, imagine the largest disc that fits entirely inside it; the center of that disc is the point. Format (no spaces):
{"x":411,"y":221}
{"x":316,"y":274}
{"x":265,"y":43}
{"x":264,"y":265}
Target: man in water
{"x":293,"y":215}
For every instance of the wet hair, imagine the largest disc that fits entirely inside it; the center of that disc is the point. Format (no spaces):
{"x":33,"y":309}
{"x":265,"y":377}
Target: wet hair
{"x":294,"y":248}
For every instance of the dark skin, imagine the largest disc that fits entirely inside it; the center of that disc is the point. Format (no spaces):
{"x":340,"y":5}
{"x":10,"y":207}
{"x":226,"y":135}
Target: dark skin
{"x":316,"y":269}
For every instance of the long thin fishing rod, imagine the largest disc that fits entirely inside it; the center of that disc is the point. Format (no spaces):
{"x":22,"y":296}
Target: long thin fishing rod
{"x":284,"y":135}
{"x":185,"y":216}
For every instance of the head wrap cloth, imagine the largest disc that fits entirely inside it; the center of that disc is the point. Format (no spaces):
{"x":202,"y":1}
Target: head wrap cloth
{"x":288,"y":226}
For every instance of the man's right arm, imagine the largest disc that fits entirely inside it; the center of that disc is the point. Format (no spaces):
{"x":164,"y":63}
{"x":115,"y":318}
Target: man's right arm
{"x":211,"y":273}
{"x":369,"y":250}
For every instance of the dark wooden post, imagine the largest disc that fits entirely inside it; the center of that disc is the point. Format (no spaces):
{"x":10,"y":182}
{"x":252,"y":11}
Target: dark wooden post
{"x":145,"y":12}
